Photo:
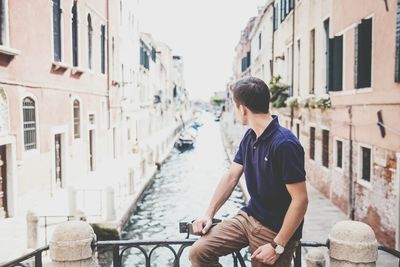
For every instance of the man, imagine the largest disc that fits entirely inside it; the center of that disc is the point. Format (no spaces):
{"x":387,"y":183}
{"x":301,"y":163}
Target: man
{"x":272,"y":160}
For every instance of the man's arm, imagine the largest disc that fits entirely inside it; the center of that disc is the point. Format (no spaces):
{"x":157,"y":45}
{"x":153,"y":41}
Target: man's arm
{"x":221,"y":194}
{"x":295,"y":212}
{"x":294,"y":215}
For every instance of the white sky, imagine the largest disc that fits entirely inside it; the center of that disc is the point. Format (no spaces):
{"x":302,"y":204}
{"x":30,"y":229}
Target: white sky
{"x":204,"y":32}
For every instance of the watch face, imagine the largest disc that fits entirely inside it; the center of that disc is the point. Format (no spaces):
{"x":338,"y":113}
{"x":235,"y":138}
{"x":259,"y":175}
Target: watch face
{"x":279,"y":249}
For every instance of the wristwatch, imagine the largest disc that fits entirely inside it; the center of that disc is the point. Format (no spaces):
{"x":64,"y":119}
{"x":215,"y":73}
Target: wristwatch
{"x":278,"y":248}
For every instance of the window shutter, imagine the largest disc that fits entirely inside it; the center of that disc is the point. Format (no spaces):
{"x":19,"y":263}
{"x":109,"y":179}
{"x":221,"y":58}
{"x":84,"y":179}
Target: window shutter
{"x":141,"y":56}
{"x":56,"y":30}
{"x":248,"y":60}
{"x":363,"y":53}
{"x":335,"y":64}
{"x":75,"y":34}
{"x":338,"y":63}
{"x":397,"y":66}
{"x":102,"y":46}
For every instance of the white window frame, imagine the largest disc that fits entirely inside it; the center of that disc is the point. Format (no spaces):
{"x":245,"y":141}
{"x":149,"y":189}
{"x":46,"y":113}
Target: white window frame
{"x":335,"y":152}
{"x":26,"y":154}
{"x":360,"y":180}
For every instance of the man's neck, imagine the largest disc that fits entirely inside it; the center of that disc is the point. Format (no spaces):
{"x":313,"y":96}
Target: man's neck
{"x":259,"y":122}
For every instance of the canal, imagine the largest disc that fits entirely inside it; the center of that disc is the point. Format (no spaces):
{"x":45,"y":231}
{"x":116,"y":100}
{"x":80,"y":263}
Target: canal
{"x":181,"y":191}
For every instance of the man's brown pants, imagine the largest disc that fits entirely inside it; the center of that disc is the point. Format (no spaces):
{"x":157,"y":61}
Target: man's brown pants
{"x":233,"y":234}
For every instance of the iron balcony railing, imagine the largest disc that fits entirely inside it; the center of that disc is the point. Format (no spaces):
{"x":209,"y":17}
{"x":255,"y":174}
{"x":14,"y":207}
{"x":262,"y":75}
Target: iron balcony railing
{"x":120,"y":247}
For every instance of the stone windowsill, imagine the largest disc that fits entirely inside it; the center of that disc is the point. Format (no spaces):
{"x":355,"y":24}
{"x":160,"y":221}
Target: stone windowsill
{"x":59,"y":65}
{"x":78,"y":70}
{"x":9,"y":51}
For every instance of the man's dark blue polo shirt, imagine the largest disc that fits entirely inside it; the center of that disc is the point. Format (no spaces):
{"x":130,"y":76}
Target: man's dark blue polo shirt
{"x":270,"y":162}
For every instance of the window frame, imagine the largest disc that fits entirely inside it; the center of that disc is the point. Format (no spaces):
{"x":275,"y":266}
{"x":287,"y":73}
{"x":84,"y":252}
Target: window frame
{"x":360,"y":179}
{"x":335,"y":154}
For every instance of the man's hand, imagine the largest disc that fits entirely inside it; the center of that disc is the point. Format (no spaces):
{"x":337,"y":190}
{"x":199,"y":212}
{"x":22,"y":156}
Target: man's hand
{"x":265,"y":254}
{"x":201,"y":226}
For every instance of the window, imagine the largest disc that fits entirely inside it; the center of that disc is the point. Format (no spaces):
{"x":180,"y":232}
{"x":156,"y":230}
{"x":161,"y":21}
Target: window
{"x":326,"y":53}
{"x":325,"y":148}
{"x":397,"y":66}
{"x":363,"y":54}
{"x":365,"y":164}
{"x":298,"y":67}
{"x":77,"y":119}
{"x":339,"y":154}
{"x":3,"y":23}
{"x":312,"y":143}
{"x":56,"y":31}
{"x":144,"y":58}
{"x":335,"y":68}
{"x":282,"y":11}
{"x":153,"y":54}
{"x":29,"y":119}
{"x":75,"y":34}
{"x":312,"y":61}
{"x":259,"y":41}
{"x":90,"y":41}
{"x":275,"y":21}
{"x":102,"y":48}
{"x":246,"y":62}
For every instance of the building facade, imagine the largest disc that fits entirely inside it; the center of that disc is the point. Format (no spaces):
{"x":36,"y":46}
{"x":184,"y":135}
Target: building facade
{"x":340,"y":62}
{"x":80,"y":101}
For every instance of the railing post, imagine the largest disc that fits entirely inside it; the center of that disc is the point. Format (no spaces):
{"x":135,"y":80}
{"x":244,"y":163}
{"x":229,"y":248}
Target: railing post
{"x":315,"y":258}
{"x":352,"y":243}
{"x":32,"y":223}
{"x":297,"y":258}
{"x":72,"y":206}
{"x":116,"y":259}
{"x":110,"y":204}
{"x":71,"y":245}
{"x":38,"y":260}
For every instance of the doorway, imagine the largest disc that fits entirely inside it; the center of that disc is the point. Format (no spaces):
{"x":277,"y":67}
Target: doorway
{"x":58,"y":160}
{"x":3,"y":181}
{"x":91,"y":154}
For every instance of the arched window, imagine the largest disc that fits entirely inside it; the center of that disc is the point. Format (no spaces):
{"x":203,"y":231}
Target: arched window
{"x":29,"y":119}
{"x":57,"y":30}
{"x":77,"y":119}
{"x":90,"y":40}
{"x":75,"y":34}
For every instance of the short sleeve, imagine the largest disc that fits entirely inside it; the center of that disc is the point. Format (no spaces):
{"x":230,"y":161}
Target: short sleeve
{"x":290,"y":162}
{"x":239,"y":154}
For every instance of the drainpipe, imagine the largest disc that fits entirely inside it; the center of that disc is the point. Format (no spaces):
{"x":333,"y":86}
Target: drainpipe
{"x":108,"y":64}
{"x":292,"y":74}
{"x":351,"y":186}
{"x":398,"y":201}
{"x":271,"y":63}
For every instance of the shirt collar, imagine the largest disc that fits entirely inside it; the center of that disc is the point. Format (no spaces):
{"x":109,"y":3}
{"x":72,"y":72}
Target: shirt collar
{"x":272,"y":126}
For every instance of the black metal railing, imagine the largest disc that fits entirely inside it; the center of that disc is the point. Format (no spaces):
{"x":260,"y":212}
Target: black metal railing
{"x":35,"y":256}
{"x":120,"y":247}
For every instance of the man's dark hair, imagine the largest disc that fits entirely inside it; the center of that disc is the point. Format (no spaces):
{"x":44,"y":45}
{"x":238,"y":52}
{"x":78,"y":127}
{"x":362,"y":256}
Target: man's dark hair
{"x":252,"y":93}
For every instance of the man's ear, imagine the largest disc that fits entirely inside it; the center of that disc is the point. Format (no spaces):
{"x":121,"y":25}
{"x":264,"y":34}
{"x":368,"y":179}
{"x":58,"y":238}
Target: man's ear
{"x":243,"y":110}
